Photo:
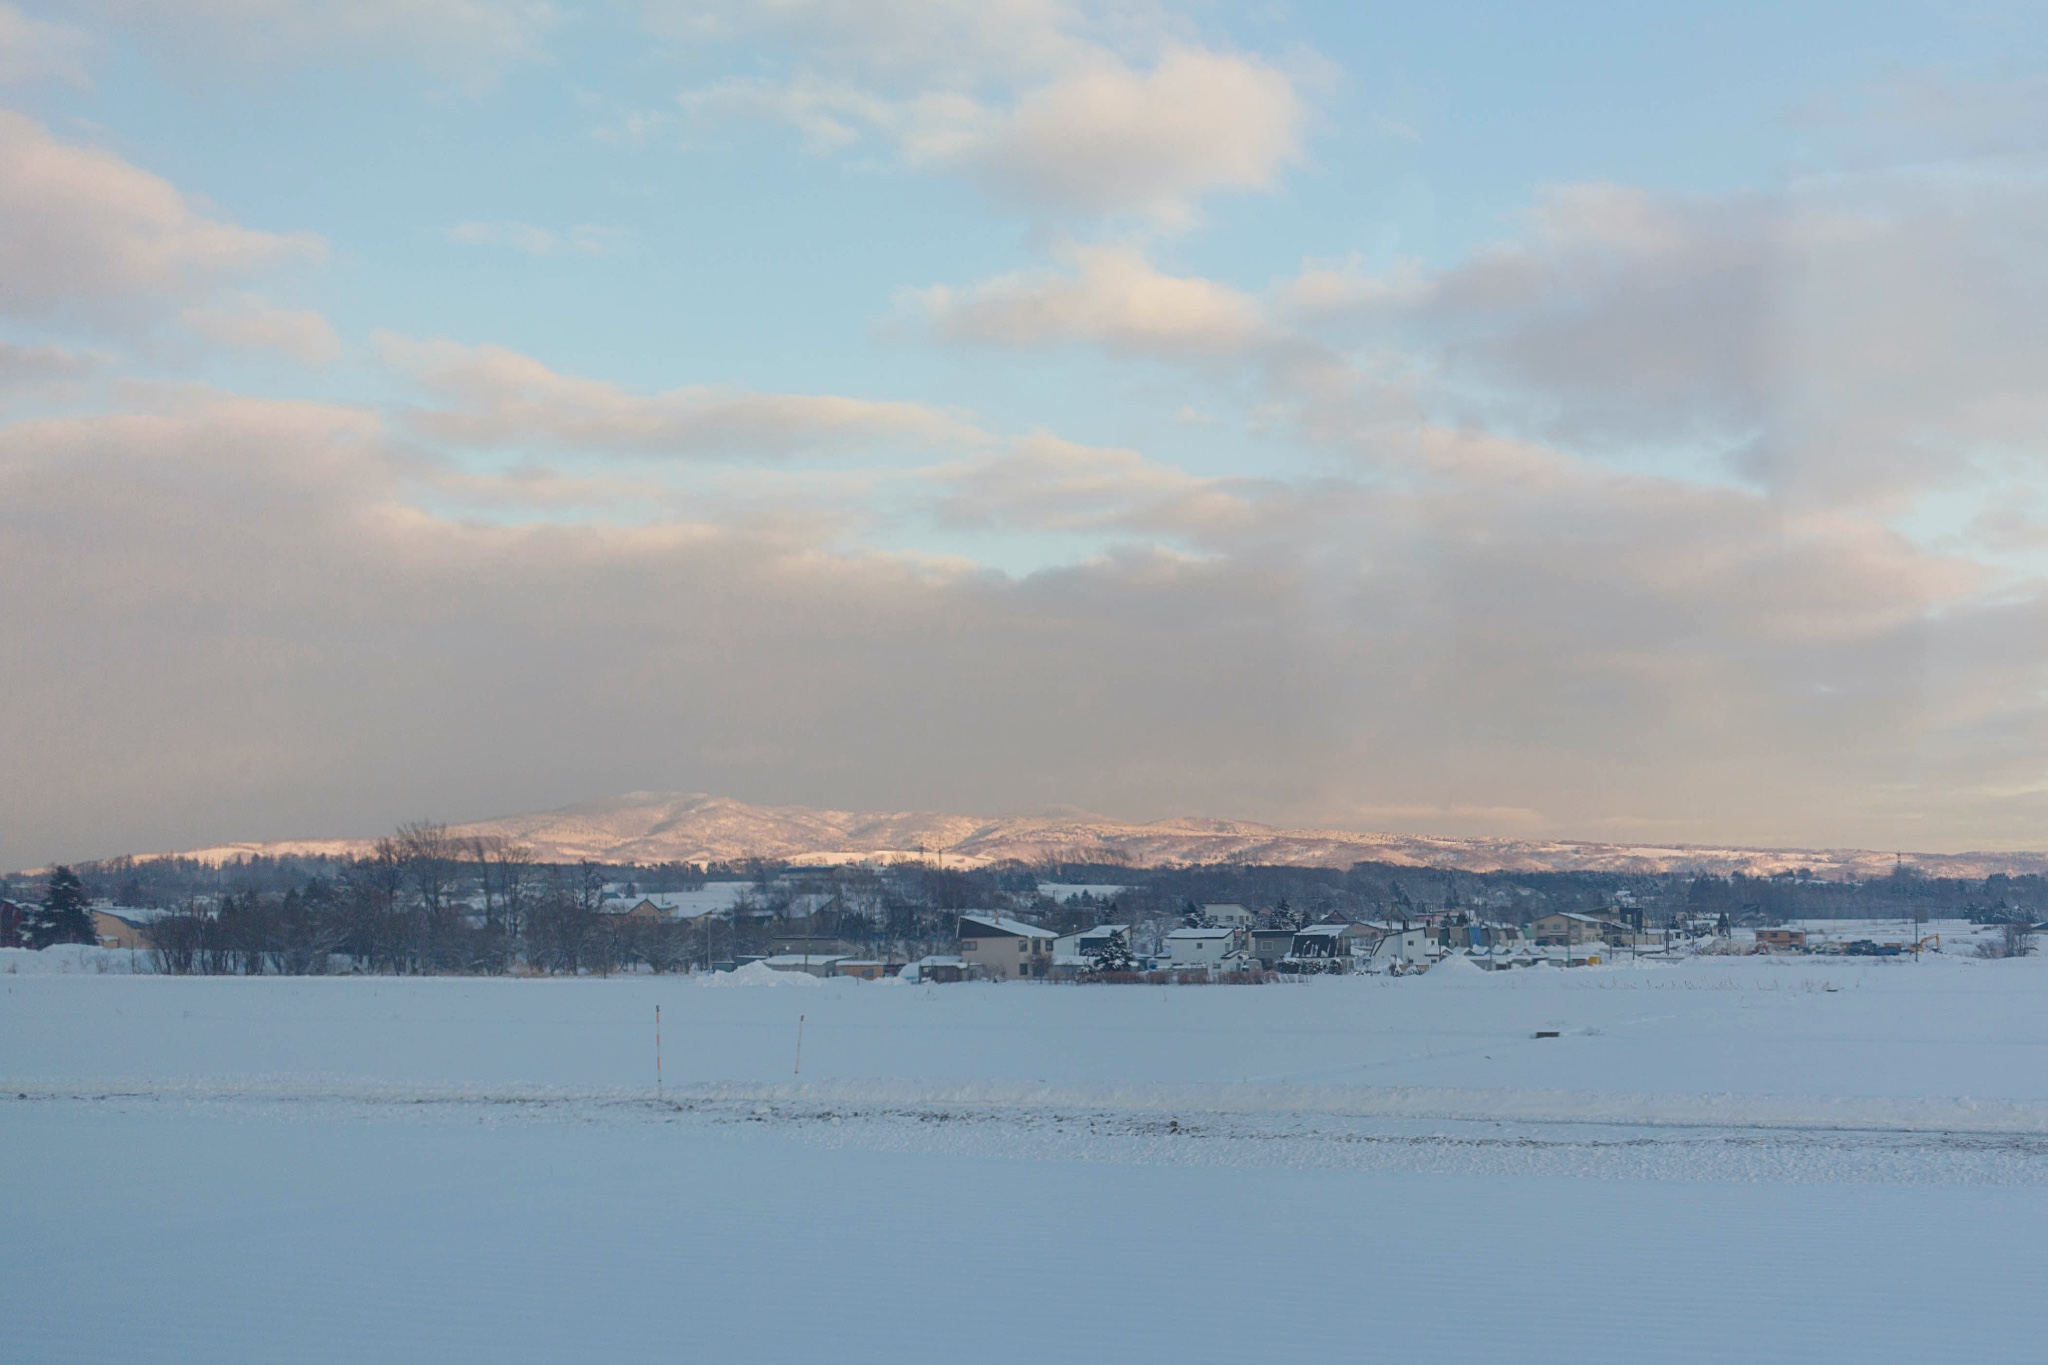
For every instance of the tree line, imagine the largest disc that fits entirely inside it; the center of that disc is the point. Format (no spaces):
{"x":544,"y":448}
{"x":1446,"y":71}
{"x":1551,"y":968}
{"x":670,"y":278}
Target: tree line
{"x":424,"y":902}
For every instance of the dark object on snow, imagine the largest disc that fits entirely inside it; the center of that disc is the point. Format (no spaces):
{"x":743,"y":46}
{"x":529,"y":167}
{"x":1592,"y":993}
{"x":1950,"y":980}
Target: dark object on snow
{"x":1546,"y":1033}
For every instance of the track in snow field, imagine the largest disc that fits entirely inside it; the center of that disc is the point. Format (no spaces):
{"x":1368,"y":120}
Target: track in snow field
{"x":1160,"y":1126}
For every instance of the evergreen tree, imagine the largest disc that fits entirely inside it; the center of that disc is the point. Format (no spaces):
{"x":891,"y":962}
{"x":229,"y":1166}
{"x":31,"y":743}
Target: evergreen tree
{"x":1113,"y":955}
{"x":1191,"y":917}
{"x":62,"y":917}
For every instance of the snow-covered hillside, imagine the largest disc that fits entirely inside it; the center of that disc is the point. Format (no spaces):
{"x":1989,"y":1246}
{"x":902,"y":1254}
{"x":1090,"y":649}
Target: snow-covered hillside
{"x":658,"y":827}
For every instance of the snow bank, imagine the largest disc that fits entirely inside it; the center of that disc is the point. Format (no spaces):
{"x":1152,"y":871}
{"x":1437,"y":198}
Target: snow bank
{"x":1456,"y":968}
{"x":74,"y":959}
{"x":754,"y":974}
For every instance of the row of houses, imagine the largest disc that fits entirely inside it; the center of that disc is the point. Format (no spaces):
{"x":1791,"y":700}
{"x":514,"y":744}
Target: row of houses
{"x":1008,"y":949}
{"x":994,"y":946}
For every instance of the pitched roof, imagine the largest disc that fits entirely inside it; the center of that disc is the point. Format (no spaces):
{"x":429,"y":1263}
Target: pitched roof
{"x":1201,"y":933}
{"x":1003,"y":924}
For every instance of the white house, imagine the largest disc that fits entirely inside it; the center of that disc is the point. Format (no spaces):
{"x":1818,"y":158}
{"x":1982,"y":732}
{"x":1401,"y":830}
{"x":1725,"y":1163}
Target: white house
{"x":1078,"y":948}
{"x":1200,"y":947}
{"x":1408,"y":947}
{"x":1228,"y":916}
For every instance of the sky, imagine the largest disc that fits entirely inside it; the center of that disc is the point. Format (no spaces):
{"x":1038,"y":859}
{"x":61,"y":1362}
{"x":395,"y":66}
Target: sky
{"x":1590,"y":420}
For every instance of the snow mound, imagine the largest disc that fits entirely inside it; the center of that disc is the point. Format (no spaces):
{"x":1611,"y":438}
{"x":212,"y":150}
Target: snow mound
{"x":754,"y":974}
{"x":1456,"y":967}
{"x":74,"y":959}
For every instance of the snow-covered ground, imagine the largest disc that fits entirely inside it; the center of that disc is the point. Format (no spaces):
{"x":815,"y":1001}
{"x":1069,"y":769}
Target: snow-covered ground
{"x":1735,"y":1158}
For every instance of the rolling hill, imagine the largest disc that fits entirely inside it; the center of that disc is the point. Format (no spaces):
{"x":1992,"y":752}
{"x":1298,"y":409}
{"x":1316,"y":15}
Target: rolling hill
{"x":656,"y":827}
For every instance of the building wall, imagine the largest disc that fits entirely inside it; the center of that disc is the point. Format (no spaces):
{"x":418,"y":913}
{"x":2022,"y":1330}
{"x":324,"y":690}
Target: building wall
{"x":1199,"y":952}
{"x":116,"y":933}
{"x":1007,"y":957}
{"x":1270,"y":945}
{"x":1557,"y":929}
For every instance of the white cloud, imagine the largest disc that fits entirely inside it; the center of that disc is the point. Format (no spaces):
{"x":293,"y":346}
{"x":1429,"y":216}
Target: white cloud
{"x":1857,"y":340}
{"x":585,"y":239}
{"x":82,"y":230}
{"x":490,"y":395}
{"x":515,"y":236}
{"x":473,"y":42}
{"x":247,"y":322}
{"x":1053,"y":107}
{"x":956,"y":43}
{"x":1112,"y":296}
{"x":1041,"y":482}
{"x":1324,"y":289}
{"x":33,"y":49}
{"x":1114,"y":139}
{"x":31,"y":364}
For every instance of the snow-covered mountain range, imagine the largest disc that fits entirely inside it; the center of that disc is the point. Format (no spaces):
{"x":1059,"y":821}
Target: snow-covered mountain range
{"x":656,"y":827}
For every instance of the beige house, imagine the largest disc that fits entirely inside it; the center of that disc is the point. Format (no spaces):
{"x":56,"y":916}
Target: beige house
{"x":645,"y":910}
{"x":1568,"y":928}
{"x":114,"y":932}
{"x":1228,"y":916}
{"x":1004,"y":948}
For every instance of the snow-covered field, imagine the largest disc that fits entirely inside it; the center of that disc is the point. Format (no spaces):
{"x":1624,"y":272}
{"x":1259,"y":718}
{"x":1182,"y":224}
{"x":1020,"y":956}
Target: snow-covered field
{"x":1754,"y":1159}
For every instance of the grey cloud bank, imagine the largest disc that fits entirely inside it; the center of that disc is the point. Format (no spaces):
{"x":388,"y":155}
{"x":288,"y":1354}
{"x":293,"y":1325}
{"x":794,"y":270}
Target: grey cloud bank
{"x":253,"y":602}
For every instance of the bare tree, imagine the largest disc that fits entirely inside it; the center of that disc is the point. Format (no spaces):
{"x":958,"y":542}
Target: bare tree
{"x":2019,"y":937}
{"x":177,"y":939}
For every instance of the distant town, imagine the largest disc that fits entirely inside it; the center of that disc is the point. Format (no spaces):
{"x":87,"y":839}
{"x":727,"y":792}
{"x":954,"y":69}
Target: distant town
{"x":425,"y":901}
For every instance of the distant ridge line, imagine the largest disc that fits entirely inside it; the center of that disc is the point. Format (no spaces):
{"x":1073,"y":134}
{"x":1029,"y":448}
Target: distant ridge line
{"x":658,"y":827}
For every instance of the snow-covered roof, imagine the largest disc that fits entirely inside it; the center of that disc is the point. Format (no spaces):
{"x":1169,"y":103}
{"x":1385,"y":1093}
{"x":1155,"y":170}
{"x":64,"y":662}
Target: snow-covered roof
{"x":711,"y":897}
{"x":1003,"y":924}
{"x":1325,"y":930}
{"x":802,"y":960}
{"x":128,"y":914}
{"x":1201,"y":933}
{"x":1066,"y":891}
